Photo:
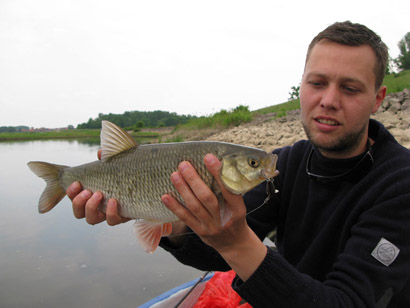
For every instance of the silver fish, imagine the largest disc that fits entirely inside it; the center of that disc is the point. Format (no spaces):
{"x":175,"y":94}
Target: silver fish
{"x":138,"y":175}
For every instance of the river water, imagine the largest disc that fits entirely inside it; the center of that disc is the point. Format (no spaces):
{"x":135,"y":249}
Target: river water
{"x":55,"y":260}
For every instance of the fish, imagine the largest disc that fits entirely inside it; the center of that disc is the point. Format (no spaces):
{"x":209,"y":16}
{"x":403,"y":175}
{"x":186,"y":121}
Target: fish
{"x":138,"y":175}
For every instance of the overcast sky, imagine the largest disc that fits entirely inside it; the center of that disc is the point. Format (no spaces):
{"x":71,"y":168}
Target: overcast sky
{"x":63,"y":62}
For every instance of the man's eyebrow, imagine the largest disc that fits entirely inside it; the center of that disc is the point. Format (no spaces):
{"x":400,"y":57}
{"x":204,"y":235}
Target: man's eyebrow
{"x":354,"y":80}
{"x":343,"y":79}
{"x":313,"y":74}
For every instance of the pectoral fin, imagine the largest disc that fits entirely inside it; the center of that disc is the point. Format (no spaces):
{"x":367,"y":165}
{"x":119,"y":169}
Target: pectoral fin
{"x":224,"y":211}
{"x":149,"y":233}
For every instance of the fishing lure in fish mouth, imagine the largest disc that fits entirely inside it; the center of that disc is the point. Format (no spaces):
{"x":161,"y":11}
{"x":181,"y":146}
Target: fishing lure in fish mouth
{"x":270,"y":173}
{"x":270,"y":188}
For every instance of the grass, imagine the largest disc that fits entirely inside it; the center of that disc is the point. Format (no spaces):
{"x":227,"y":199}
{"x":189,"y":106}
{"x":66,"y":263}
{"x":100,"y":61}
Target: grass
{"x":66,"y":134}
{"x":221,"y":119}
{"x":202,"y":127}
{"x":145,"y":134}
{"x":280,"y":109}
{"x":397,"y":82}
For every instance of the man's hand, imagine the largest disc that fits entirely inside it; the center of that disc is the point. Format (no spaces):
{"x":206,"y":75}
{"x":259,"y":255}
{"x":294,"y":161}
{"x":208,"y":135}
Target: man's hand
{"x":85,"y":204}
{"x":202,"y":211}
{"x":234,"y":240}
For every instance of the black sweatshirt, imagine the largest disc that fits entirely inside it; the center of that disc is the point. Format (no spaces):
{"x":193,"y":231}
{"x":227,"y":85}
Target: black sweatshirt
{"x":342,"y":242}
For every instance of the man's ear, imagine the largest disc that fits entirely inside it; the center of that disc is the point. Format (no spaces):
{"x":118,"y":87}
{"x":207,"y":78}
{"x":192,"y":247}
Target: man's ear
{"x":380,"y":95}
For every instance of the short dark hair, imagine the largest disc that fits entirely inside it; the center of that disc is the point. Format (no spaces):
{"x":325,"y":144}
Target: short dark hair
{"x":352,"y":34}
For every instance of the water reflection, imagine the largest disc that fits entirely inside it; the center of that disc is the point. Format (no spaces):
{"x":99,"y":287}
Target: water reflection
{"x":89,"y":141}
{"x":96,"y":141}
{"x":54,"y":260}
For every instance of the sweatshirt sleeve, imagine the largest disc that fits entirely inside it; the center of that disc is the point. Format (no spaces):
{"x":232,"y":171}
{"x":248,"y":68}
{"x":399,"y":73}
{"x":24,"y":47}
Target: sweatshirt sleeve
{"x":276,"y":283}
{"x":196,"y":253}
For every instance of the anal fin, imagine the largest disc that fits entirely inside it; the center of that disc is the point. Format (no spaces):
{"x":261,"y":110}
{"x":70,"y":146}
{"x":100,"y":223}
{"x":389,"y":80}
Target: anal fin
{"x":149,"y":233}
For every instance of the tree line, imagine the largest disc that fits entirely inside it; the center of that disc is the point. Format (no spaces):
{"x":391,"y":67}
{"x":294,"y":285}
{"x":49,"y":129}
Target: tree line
{"x":13,"y":129}
{"x":138,"y":119}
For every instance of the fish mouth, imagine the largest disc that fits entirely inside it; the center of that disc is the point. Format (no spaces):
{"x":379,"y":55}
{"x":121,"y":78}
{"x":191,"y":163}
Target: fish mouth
{"x":269,"y":174}
{"x":270,"y":171}
{"x":327,"y":121}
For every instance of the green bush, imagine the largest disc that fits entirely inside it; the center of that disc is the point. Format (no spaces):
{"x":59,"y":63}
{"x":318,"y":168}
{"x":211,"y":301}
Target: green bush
{"x":221,"y":119}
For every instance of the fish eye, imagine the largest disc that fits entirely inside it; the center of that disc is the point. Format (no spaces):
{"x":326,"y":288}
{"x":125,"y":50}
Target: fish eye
{"x":253,"y":162}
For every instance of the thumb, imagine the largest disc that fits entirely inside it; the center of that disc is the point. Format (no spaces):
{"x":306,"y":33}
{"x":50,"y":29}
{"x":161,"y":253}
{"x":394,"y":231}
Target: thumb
{"x":214,"y":166}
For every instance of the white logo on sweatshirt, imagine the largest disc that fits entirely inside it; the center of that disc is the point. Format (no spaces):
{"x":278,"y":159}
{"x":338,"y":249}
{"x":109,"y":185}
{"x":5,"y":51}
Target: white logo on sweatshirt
{"x":385,"y":252}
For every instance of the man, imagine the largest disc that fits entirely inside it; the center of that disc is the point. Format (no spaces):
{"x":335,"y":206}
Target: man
{"x":342,"y":211}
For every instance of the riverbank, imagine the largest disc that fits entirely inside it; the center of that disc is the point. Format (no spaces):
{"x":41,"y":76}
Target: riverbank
{"x":63,"y":134}
{"x":68,"y":134}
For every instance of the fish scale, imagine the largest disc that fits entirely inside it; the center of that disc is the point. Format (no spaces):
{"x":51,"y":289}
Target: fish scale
{"x":139,"y":177}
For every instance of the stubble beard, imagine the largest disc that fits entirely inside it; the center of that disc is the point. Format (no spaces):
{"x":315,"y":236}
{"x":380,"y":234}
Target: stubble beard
{"x":342,"y":145}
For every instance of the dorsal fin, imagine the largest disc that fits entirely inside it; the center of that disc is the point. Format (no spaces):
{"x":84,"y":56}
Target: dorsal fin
{"x":114,"y":140}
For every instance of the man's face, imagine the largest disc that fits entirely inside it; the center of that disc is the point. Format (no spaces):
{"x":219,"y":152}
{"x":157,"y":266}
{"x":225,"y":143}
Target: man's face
{"x":337,"y":97}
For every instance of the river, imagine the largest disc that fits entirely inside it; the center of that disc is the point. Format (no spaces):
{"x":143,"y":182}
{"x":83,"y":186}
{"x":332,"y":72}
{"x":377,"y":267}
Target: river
{"x":56,"y":260}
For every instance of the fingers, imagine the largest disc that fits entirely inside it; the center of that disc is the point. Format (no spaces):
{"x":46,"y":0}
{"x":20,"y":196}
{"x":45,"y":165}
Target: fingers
{"x":179,"y":210}
{"x":73,"y":190}
{"x":79,"y":198}
{"x":198,"y":197}
{"x":112,"y":215}
{"x":204,"y":194}
{"x":86,"y":205}
{"x":92,"y":214}
{"x":201,"y":211}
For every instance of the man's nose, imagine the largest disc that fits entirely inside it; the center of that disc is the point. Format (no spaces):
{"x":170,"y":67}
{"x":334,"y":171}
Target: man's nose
{"x":331,"y":98}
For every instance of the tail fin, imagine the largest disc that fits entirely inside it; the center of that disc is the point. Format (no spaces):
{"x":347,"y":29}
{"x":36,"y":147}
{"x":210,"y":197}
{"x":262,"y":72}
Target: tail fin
{"x":53,"y":193}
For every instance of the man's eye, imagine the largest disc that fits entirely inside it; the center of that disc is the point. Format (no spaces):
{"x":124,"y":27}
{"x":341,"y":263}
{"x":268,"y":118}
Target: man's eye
{"x":316,"y":83}
{"x":351,"y":90}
